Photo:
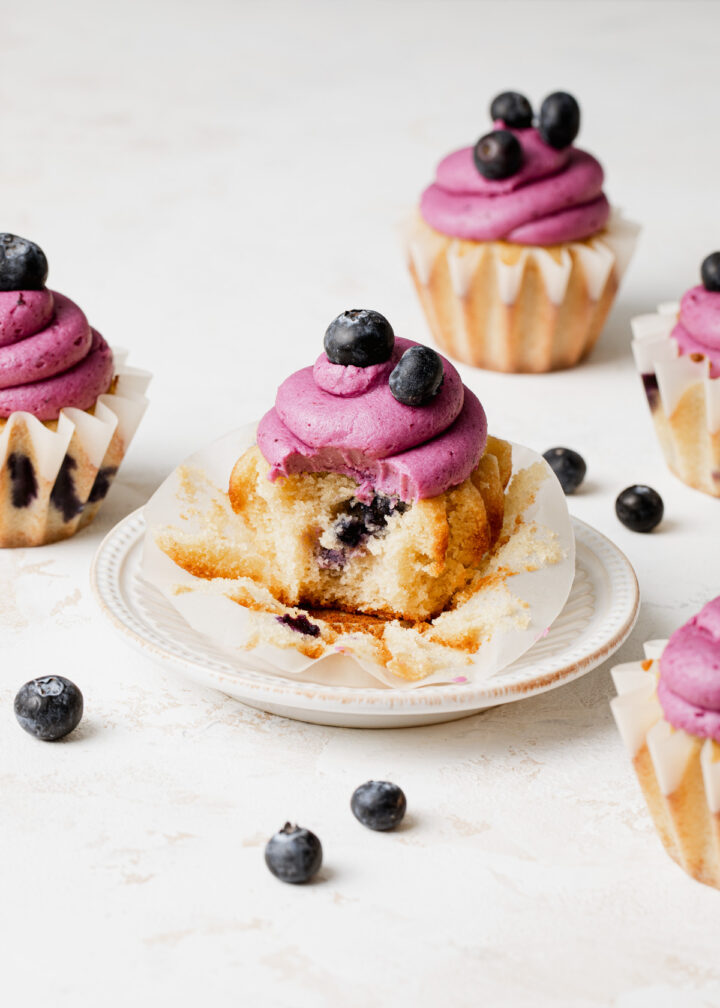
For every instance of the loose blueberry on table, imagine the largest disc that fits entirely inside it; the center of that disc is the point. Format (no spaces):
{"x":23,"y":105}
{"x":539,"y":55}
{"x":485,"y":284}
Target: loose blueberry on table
{"x":417,"y":377}
{"x":568,"y":466}
{"x":559,"y":120}
{"x":49,"y":708}
{"x":513,"y":109}
{"x":23,"y":265}
{"x":359,"y":337}
{"x":639,"y":508}
{"x":379,"y":805}
{"x":294,"y":854}
{"x":498,"y":155}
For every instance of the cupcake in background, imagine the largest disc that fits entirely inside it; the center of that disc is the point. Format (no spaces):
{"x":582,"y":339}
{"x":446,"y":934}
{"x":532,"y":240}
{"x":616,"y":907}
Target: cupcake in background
{"x":515,"y":253}
{"x":677,"y":352}
{"x":668,"y":714}
{"x":68,"y":407}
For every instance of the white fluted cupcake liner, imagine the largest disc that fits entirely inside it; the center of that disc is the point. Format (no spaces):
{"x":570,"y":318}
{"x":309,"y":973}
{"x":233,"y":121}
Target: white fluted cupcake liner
{"x":54,"y":475}
{"x":679,"y":773}
{"x":684,"y":400}
{"x":518,"y":308}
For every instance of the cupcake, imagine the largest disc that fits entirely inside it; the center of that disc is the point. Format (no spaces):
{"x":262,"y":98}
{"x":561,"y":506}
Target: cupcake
{"x":371,"y":515}
{"x":366,"y":491}
{"x":668,"y":714}
{"x":515,"y":254}
{"x":677,"y":352}
{"x":68,"y":408}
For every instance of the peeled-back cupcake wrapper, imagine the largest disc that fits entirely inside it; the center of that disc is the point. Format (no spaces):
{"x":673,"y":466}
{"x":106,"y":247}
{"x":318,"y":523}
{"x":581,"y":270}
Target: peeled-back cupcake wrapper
{"x":52,"y":482}
{"x":590,"y":269}
{"x":684,"y":400}
{"x":208,"y":608}
{"x":679,"y":773}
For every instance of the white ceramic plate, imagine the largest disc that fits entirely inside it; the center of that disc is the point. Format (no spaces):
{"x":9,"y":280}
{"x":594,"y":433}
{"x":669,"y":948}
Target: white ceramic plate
{"x":598,"y":616}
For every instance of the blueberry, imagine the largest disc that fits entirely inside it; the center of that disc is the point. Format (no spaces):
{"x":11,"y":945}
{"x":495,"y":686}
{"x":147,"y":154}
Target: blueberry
{"x":710,"y":272}
{"x":23,"y":481}
{"x":360,"y":337}
{"x":379,"y":805}
{"x":417,"y":377}
{"x":639,"y":508}
{"x":568,"y":466}
{"x":559,"y":121}
{"x":301,"y":624}
{"x":498,"y":155}
{"x":294,"y":854}
{"x":63,"y":495}
{"x":514,"y":109}
{"x":23,"y":265}
{"x":49,"y":708}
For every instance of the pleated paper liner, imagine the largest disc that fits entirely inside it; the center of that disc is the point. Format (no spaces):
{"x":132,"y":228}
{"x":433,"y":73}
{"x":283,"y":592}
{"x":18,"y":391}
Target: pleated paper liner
{"x":684,"y":400}
{"x":55,"y":475}
{"x":518,"y":308}
{"x":679,"y":773}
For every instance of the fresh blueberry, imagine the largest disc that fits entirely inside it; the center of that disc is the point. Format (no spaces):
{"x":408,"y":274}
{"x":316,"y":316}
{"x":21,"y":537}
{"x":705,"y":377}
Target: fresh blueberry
{"x":498,"y":155}
{"x":379,"y":805}
{"x":23,"y":265}
{"x":639,"y":508}
{"x":710,"y":272}
{"x":49,"y":708}
{"x":513,"y":109}
{"x":360,"y":337}
{"x":294,"y":854}
{"x":568,"y":466}
{"x":559,"y":121}
{"x":417,"y":377}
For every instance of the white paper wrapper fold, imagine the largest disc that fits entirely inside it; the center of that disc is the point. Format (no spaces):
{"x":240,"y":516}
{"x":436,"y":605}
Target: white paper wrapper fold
{"x":684,"y":400}
{"x":206,"y":607}
{"x":69,"y":468}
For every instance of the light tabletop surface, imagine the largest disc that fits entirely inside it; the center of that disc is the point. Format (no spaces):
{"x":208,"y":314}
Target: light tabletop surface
{"x":213,"y":182}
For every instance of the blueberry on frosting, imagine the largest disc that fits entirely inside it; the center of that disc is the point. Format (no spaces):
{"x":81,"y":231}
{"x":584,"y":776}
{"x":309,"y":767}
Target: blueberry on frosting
{"x":23,"y":265}
{"x":417,"y":377}
{"x":513,"y":109}
{"x":559,"y":121}
{"x":359,"y":337}
{"x":710,"y":272}
{"x":498,"y":155}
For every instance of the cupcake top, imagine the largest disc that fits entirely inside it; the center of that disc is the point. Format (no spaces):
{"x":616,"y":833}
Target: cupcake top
{"x":520,"y":183}
{"x":689,"y":684}
{"x":50,"y":357}
{"x":390,"y":413}
{"x":698,"y":327}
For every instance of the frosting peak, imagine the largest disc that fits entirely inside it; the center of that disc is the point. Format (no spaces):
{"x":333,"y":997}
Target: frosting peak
{"x":335,"y":418}
{"x":698,"y":327}
{"x":689,"y":685}
{"x":556,"y":196}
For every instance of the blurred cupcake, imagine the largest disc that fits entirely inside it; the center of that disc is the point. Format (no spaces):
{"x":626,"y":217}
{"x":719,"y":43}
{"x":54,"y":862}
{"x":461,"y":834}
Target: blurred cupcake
{"x":668,"y":714}
{"x":677,"y":352}
{"x":68,"y":408}
{"x":515,"y":254}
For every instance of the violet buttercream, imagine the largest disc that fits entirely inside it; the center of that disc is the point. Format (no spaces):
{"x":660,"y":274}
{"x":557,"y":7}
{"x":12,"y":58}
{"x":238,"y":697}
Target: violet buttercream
{"x":689,"y":684}
{"x":331,"y":418}
{"x":50,"y":358}
{"x":698,"y":327}
{"x":556,"y":196}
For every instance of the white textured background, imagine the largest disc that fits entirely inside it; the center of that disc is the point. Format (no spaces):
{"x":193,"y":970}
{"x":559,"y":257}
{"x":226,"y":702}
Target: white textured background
{"x":213,"y":182}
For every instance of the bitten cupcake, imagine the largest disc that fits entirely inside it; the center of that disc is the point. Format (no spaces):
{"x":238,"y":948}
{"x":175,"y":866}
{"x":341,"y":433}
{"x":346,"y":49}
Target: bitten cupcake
{"x":515,"y":255}
{"x":668,"y":713}
{"x":677,"y":352}
{"x":68,"y":408}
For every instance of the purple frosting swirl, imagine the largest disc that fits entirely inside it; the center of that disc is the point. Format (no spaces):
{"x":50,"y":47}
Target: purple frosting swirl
{"x":330,"y":418}
{"x":689,"y":685}
{"x":698,"y":327}
{"x":556,"y":196}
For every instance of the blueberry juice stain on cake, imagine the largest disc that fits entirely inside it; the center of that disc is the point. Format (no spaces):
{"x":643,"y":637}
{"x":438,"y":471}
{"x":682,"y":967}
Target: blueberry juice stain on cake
{"x":373,"y":488}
